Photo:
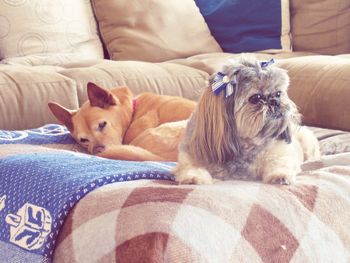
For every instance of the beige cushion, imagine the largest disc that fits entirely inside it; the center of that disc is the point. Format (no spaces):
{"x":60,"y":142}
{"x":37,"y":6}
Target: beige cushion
{"x":153,"y":30}
{"x":52,"y":31}
{"x":161,"y":78}
{"x":320,"y":87}
{"x":213,"y":62}
{"x":285,"y":30}
{"x":321,"y":26}
{"x":25,"y":92}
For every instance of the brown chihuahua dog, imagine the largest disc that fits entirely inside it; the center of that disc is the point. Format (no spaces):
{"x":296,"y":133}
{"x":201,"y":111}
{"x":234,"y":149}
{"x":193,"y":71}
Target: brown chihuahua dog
{"x":114,"y":124}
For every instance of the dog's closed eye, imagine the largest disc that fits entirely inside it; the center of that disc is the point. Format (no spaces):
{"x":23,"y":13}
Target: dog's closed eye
{"x":102,"y":125}
{"x":83,"y":140}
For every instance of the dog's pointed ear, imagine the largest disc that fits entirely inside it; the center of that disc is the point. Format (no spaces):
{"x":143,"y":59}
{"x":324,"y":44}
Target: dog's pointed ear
{"x":62,"y":114}
{"x":100,"y":97}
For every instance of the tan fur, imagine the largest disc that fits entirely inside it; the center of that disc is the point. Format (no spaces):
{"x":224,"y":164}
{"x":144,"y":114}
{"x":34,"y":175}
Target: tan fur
{"x":209,"y":139}
{"x":151,"y":133}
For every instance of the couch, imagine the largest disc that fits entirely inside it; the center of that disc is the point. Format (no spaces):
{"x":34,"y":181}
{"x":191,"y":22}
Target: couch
{"x":50,"y":51}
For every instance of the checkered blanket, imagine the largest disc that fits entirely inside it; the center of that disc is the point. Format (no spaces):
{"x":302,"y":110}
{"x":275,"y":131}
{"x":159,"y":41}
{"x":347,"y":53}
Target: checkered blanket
{"x":230,"y":221}
{"x":38,"y":189}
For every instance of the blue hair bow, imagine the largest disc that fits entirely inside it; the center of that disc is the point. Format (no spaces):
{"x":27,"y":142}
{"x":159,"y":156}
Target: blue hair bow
{"x":221,"y":82}
{"x":265,"y":64}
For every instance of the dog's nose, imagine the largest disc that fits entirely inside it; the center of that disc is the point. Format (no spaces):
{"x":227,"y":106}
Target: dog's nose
{"x":98,"y":149}
{"x":274,"y":102}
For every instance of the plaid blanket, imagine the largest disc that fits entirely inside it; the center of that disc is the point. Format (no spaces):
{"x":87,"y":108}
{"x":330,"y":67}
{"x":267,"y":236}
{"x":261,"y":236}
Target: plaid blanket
{"x":38,"y":190}
{"x":230,"y":221}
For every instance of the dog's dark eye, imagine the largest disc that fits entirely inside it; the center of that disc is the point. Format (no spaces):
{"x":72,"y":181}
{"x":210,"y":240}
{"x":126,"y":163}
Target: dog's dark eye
{"x":83,"y":140}
{"x":256,"y":98}
{"x":101,"y":125}
{"x":278,"y":94}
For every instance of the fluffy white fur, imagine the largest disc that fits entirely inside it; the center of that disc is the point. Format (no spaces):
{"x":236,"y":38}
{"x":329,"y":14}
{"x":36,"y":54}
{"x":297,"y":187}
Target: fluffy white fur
{"x":241,"y":137}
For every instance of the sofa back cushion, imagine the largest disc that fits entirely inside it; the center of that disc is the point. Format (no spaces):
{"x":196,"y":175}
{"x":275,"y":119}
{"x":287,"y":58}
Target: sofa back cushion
{"x":55,"y":31}
{"x":153,"y":30}
{"x":321,"y":26}
{"x":248,"y":25}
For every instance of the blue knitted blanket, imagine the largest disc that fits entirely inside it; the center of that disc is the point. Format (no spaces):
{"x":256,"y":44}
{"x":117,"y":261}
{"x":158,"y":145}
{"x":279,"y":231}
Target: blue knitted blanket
{"x":40,"y":184}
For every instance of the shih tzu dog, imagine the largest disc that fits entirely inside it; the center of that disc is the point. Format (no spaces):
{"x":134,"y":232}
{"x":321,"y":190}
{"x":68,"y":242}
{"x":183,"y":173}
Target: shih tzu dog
{"x":245,"y":127}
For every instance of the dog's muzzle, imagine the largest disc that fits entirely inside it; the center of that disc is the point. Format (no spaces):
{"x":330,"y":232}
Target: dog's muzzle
{"x":275,"y":111}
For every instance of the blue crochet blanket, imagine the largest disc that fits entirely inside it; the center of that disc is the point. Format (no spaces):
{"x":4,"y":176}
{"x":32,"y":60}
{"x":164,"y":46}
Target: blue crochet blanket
{"x":38,"y":188}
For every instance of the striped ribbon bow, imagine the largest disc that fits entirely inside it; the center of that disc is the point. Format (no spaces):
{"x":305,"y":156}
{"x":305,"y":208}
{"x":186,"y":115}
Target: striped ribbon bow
{"x":265,"y":64}
{"x":221,"y":82}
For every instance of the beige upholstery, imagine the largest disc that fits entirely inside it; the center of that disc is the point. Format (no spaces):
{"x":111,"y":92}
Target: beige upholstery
{"x":320,"y":84}
{"x":212,"y":62}
{"x":48,"y":32}
{"x":321,"y":26}
{"x":153,"y":30}
{"x":25,"y":91}
{"x":162,"y":78}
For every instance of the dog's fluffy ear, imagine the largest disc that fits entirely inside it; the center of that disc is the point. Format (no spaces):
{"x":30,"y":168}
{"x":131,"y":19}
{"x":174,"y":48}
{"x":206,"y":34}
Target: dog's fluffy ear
{"x":100,"y":97}
{"x":295,"y":121}
{"x":62,"y":114}
{"x":214,"y":137}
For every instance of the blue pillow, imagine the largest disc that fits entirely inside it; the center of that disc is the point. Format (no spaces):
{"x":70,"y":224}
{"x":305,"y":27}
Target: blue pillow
{"x":248,"y":25}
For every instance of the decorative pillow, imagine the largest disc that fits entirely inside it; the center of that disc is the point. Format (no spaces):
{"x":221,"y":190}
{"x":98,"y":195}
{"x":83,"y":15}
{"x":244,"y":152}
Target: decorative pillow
{"x":56,"y":31}
{"x":153,"y":30}
{"x":248,"y":25}
{"x":321,"y":26}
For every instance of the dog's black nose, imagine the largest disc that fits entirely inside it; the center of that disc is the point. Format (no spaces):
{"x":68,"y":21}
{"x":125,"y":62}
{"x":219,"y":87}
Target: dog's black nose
{"x":274,"y":102}
{"x":98,"y":149}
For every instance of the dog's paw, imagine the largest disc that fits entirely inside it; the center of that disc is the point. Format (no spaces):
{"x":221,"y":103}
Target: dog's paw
{"x":280,"y":180}
{"x":281,"y":177}
{"x":193,"y":176}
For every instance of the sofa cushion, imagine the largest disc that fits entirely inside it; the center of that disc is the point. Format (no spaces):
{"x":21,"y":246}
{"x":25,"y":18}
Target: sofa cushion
{"x":212,"y":62}
{"x":161,"y":78}
{"x":320,"y":87}
{"x":321,"y":26}
{"x":54,"y":31}
{"x":25,"y":92}
{"x":248,"y":25}
{"x":153,"y":30}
